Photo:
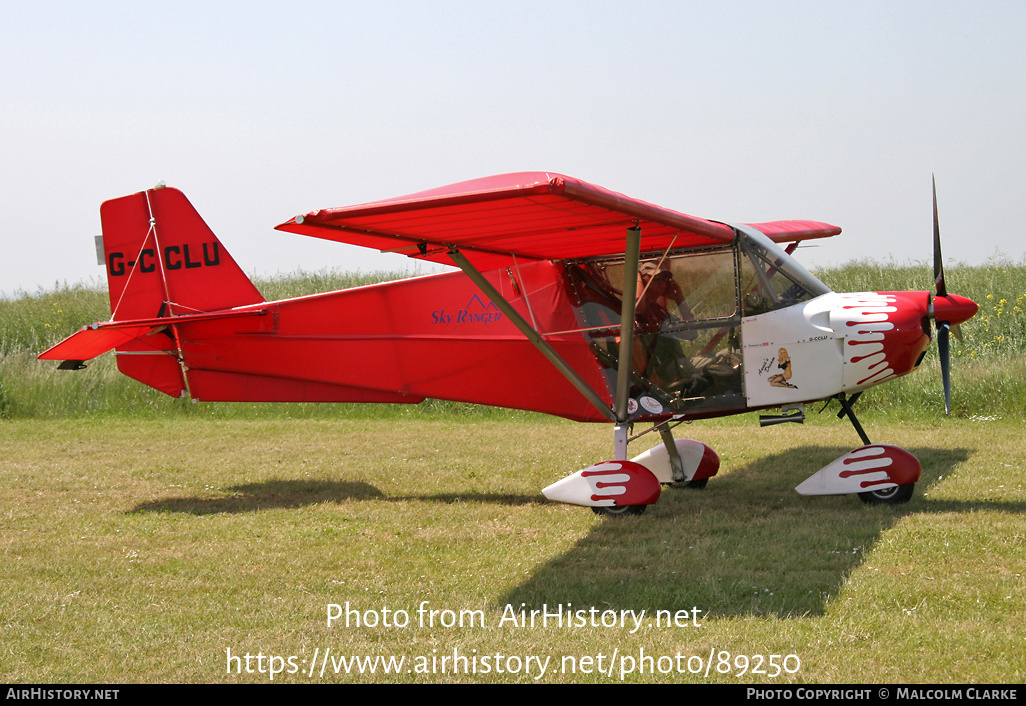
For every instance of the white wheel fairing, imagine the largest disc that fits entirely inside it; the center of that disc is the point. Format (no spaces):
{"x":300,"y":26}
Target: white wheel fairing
{"x":867,"y":469}
{"x":699,"y":460}
{"x":607,"y":484}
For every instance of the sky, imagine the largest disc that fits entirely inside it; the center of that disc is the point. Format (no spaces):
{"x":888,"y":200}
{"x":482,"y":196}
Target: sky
{"x":735,"y":111}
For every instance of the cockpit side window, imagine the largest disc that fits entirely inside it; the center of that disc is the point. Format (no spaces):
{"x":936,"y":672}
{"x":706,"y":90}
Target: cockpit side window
{"x":687,"y":341}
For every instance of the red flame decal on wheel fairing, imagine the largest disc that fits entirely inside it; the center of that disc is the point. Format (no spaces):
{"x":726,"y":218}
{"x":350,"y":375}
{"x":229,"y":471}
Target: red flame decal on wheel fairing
{"x":623,"y":482}
{"x":881,"y":464}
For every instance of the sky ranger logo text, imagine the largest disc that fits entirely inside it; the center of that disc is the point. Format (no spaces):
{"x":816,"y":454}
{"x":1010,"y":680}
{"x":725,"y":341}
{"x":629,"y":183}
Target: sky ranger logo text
{"x":475,"y":312}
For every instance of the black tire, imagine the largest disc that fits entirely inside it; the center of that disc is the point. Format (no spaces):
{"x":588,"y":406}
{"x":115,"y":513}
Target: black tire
{"x":619,"y":510}
{"x":889,"y":496}
{"x":691,"y":484}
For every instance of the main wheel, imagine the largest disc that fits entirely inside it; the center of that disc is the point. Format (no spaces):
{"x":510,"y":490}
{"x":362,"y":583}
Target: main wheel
{"x":889,"y":496}
{"x":619,"y":510}
{"x":692,"y":484}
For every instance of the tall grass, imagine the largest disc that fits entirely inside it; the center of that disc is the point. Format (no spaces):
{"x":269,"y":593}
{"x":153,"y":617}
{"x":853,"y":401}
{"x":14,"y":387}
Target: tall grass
{"x":988,"y":365}
{"x":34,"y":322}
{"x":301,"y":283}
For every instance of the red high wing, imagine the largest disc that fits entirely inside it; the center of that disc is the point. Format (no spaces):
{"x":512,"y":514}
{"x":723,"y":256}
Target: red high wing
{"x":533,"y":215}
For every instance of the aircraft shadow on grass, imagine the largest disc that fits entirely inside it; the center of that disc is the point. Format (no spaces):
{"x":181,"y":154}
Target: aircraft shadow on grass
{"x":251,"y":497}
{"x":298,"y":493}
{"x":745,"y":545}
{"x":764,"y":550}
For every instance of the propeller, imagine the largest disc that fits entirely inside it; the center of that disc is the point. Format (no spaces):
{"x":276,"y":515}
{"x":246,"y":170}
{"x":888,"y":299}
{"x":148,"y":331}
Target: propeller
{"x":943,"y":327}
{"x":946,"y":310}
{"x":938,"y":261}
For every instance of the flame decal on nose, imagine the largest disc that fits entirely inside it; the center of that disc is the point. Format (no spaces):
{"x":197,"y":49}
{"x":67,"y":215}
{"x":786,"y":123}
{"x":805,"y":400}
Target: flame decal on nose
{"x":884,"y":335}
{"x":868,"y":319}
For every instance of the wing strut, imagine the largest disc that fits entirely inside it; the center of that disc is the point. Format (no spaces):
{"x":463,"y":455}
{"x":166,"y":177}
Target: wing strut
{"x":632,"y":255}
{"x":630,"y":293}
{"x":532,"y":335}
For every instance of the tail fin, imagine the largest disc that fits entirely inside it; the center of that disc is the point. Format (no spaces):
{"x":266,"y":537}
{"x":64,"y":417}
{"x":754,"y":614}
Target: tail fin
{"x":162,"y":259}
{"x":163,"y":264}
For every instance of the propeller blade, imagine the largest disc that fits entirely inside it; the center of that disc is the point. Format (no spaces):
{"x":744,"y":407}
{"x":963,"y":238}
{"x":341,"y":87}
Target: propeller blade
{"x":938,"y":262}
{"x":945,"y":362}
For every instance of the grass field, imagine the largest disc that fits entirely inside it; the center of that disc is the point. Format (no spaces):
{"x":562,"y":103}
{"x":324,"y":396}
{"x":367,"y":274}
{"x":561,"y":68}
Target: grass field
{"x":149,"y":540}
{"x":146,"y":550}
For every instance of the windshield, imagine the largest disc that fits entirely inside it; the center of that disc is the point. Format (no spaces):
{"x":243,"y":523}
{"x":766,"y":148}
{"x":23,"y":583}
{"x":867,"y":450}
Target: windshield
{"x":772,"y":279}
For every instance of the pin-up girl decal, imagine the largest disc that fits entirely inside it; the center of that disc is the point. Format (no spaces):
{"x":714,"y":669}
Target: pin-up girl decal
{"x":782,"y":378}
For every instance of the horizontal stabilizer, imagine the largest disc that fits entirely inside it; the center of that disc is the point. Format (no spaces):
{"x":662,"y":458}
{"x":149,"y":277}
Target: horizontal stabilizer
{"x":96,"y":339}
{"x":91,"y":342}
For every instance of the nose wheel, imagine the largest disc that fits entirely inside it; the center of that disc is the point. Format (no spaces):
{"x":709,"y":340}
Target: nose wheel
{"x":889,"y":496}
{"x":697,"y":484}
{"x":619,"y":510}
